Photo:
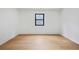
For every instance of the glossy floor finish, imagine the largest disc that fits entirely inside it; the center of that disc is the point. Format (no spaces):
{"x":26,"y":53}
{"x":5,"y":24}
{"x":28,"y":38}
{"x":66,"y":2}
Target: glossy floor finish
{"x":39,"y":42}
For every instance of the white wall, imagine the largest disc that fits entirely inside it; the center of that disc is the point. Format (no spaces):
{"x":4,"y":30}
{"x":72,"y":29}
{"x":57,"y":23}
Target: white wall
{"x":27,"y":22}
{"x":8,"y":24}
{"x":70,"y":28}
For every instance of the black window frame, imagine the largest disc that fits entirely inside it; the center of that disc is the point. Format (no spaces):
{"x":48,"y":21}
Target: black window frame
{"x":39,"y":19}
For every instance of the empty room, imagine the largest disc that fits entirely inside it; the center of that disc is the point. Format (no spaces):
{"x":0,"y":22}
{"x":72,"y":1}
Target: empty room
{"x":39,"y":28}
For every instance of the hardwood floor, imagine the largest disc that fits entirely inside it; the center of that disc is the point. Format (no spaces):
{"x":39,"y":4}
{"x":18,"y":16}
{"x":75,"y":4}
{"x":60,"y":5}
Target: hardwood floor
{"x":39,"y":42}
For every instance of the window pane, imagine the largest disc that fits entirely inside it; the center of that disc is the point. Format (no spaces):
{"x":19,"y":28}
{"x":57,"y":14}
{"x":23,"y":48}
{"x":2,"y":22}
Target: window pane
{"x":39,"y":16}
{"x":39,"y":19}
{"x":39,"y":22}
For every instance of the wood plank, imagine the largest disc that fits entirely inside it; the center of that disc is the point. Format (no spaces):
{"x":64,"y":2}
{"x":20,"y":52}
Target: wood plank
{"x":39,"y":42}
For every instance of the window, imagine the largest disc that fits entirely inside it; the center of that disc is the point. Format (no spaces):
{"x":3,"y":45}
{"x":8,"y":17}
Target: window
{"x":39,"y":19}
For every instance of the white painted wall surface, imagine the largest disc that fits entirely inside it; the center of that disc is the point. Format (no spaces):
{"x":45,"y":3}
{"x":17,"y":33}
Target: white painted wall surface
{"x":70,"y":24}
{"x":27,"y":22}
{"x":8,"y":24}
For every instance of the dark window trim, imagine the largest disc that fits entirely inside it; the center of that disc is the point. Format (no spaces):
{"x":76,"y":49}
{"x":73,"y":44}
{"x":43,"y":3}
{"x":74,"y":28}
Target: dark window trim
{"x":39,"y":19}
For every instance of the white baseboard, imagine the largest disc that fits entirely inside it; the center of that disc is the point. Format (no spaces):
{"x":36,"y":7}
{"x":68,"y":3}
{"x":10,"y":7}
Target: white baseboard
{"x":8,"y":39}
{"x":70,"y":38}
